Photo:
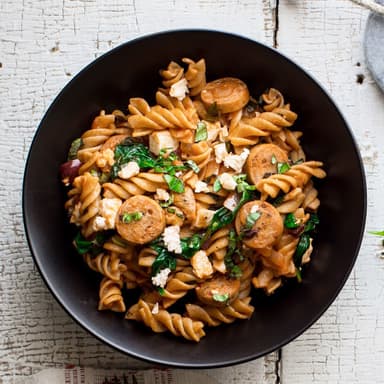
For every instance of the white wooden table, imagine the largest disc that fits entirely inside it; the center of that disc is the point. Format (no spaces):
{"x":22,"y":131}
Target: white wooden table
{"x":43,"y":43}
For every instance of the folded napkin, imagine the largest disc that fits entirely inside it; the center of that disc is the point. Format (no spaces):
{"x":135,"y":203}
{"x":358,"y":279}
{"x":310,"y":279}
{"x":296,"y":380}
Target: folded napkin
{"x":80,"y":375}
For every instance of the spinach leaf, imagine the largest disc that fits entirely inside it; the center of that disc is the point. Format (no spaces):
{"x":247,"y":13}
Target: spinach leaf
{"x":217,"y":186}
{"x":190,"y":245}
{"x":93,"y":247}
{"x":311,"y":223}
{"x":233,"y":248}
{"x":301,"y":248}
{"x":282,"y":167}
{"x":164,"y":259}
{"x":201,"y":132}
{"x":174,"y":183}
{"x":290,"y":221}
{"x":191,"y":164}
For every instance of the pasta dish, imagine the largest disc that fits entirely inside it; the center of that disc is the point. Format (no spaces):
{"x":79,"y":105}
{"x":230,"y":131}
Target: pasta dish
{"x":193,"y":201}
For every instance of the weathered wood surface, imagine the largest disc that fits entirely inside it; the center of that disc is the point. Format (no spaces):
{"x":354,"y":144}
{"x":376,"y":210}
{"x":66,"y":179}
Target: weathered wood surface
{"x":44,"y":43}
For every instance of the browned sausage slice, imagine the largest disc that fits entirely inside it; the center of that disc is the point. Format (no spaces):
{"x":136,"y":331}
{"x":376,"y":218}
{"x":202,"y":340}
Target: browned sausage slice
{"x":113,"y":141}
{"x":219,"y":291}
{"x":229,"y":94}
{"x":267,"y":228}
{"x":140,"y":220}
{"x":262,"y":161}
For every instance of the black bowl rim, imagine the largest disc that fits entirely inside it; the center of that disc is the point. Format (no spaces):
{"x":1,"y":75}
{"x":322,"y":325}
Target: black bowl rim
{"x":134,"y":354}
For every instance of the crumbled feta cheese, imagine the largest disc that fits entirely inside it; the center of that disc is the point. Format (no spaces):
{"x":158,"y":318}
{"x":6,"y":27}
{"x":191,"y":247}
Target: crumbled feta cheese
{"x":236,"y":162}
{"x":108,"y":210}
{"x":129,"y":170}
{"x":155,"y":309}
{"x":160,"y":280}
{"x":220,"y":152}
{"x":178,"y":174}
{"x":107,"y":157}
{"x":201,"y":265}
{"x":162,"y":194}
{"x":254,"y":208}
{"x":171,"y":237}
{"x":201,"y":186}
{"x":231,"y":202}
{"x":179,"y":89}
{"x":159,"y":140}
{"x":98,"y":223}
{"x":227,"y":181}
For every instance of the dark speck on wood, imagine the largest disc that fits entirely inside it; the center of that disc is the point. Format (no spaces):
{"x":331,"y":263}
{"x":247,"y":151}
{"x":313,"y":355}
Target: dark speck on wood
{"x":360,"y":78}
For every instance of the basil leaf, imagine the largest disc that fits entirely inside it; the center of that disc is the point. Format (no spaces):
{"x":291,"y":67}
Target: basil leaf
{"x":217,"y":185}
{"x":290,"y":221}
{"x":221,"y":298}
{"x":190,"y":245}
{"x":174,"y":184}
{"x":75,"y":146}
{"x":94,"y":247}
{"x":191,"y":164}
{"x":127,"y":218}
{"x":301,"y":248}
{"x":282,"y":167}
{"x":165,"y":204}
{"x":201,"y":132}
{"x":235,"y":272}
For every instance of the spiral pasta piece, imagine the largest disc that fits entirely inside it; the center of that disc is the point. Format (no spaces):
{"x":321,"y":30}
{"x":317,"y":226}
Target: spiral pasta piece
{"x":144,"y":182}
{"x":117,"y":246}
{"x":267,"y":281}
{"x":108,"y":265}
{"x":218,"y":249}
{"x":84,"y":202}
{"x":110,"y":297}
{"x":291,"y":201}
{"x":297,"y":176}
{"x":214,"y":316}
{"x":195,"y":75}
{"x":311,"y":200}
{"x":162,"y":321}
{"x":172,"y":74}
{"x":247,"y":268}
{"x":272,"y":99}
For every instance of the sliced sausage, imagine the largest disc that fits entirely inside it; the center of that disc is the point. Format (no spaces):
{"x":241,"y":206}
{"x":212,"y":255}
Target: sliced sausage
{"x":219,"y":291}
{"x":187,"y":203}
{"x":229,"y":94}
{"x":267,"y":228}
{"x":262,"y":161}
{"x":144,"y":229}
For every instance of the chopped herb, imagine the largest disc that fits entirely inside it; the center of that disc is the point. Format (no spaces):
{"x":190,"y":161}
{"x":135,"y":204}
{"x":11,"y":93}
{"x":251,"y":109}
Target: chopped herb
{"x":180,"y":215}
{"x":242,"y":184}
{"x":299,"y":161}
{"x":93,"y":247}
{"x":127,"y":218}
{"x":290,"y":221}
{"x":217,"y":186}
{"x":282,"y":167}
{"x":165,"y":204}
{"x":191,"y":164}
{"x":94,"y":173}
{"x":235,"y":272}
{"x":161,"y":291}
{"x":377,"y":233}
{"x":251,"y":220}
{"x":273,"y":160}
{"x":75,"y":146}
{"x":104,"y":177}
{"x":311,"y":223}
{"x":221,"y":298}
{"x":201,"y":132}
{"x":190,"y":245}
{"x":174,"y":183}
{"x":298,"y":275}
{"x":171,"y":210}
{"x":232,"y":249}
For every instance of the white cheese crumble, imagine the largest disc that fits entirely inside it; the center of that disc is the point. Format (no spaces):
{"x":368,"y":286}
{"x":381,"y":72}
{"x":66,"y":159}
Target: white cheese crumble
{"x":108,"y":210}
{"x":220,"y":152}
{"x":227,"y":181}
{"x":171,"y":237}
{"x":155,"y":309}
{"x":160,"y":280}
{"x":201,"y":186}
{"x":129,"y":170}
{"x":179,"y":89}
{"x":236,"y":162}
{"x":223,"y":133}
{"x":162,"y":140}
{"x":162,"y":194}
{"x":231,"y":202}
{"x":254,"y":208}
{"x":201,"y":265}
{"x":99,"y":223}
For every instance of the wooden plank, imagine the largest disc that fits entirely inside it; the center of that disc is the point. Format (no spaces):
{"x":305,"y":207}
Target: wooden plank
{"x":42,"y":45}
{"x":347,"y":344}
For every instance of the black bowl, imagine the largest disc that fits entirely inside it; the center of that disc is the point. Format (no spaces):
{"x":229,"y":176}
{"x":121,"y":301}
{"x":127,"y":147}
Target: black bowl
{"x":132,"y":70}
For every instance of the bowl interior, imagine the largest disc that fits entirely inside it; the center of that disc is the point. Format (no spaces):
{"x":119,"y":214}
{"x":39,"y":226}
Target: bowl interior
{"x":131,"y":70}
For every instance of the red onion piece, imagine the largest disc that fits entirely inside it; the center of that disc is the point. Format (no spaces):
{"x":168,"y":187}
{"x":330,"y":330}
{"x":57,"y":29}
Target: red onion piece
{"x":69,"y":171}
